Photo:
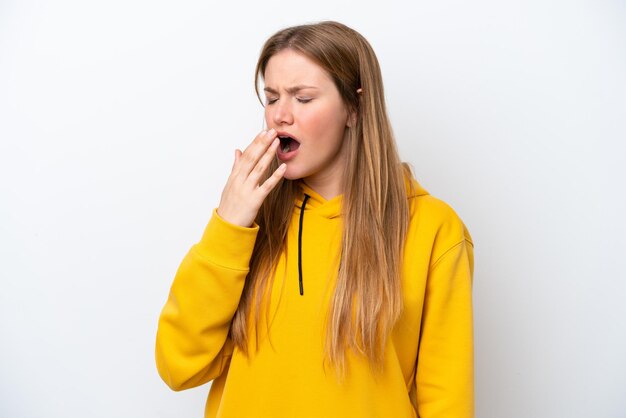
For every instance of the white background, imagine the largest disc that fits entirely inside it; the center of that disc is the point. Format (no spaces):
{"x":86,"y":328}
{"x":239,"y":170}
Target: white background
{"x":118,"y":124}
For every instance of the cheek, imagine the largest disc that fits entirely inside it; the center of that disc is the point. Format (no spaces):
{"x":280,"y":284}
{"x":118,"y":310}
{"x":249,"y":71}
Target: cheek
{"x":324,"y":123}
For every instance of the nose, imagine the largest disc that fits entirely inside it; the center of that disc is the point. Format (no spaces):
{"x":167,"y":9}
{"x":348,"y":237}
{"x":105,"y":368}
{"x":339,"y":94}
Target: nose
{"x":280,"y":113}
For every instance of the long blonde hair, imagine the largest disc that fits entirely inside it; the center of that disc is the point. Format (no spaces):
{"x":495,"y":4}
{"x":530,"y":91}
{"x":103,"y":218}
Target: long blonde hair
{"x":375,"y":207}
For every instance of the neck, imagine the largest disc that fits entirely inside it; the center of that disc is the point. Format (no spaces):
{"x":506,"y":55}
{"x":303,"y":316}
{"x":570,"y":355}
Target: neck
{"x":327,"y":188}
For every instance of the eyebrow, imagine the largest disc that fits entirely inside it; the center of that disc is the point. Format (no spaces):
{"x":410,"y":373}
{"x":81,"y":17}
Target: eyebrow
{"x":290,"y":90}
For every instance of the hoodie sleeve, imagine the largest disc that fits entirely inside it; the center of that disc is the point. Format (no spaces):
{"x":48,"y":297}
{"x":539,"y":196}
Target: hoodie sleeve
{"x":192,"y":343}
{"x":445,"y":369}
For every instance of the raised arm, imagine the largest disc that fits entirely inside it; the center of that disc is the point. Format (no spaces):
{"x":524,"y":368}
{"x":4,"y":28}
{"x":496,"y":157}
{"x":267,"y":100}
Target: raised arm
{"x":192,"y":344}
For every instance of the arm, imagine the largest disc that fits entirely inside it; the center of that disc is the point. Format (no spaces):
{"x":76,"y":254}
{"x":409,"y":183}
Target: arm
{"x":192,"y":344}
{"x":445,"y":369}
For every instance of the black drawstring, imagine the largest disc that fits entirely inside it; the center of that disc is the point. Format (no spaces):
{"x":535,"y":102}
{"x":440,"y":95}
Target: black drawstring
{"x":306,"y":197}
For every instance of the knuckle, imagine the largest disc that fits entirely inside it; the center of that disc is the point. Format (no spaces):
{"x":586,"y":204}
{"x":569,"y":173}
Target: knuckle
{"x":266,"y":187}
{"x":248,"y":157}
{"x":260,"y":167}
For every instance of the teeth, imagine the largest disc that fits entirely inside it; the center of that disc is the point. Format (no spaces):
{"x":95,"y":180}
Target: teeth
{"x":286,"y":141}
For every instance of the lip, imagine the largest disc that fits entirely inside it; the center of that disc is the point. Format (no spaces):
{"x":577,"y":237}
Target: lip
{"x":286,"y":156}
{"x":283,"y":133}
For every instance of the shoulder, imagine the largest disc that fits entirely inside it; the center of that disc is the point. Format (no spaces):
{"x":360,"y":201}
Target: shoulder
{"x":436,"y":225}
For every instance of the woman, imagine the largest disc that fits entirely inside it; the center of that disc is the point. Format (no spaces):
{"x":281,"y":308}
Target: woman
{"x":328,"y":282}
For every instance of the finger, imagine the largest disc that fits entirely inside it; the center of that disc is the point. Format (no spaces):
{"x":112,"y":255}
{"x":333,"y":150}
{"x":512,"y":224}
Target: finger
{"x":264,"y":162}
{"x":255,"y":151}
{"x":273,"y":180}
{"x":258,"y":139}
{"x":237,"y":155}
{"x":261,"y":137}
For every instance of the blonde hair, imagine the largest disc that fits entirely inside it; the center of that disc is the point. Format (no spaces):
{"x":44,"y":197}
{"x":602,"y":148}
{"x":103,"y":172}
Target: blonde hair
{"x":375,"y":207}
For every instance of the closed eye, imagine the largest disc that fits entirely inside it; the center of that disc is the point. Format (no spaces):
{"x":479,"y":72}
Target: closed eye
{"x":272,"y":101}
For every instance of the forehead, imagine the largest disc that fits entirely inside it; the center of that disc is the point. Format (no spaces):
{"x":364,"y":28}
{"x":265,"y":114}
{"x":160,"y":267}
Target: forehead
{"x":289,"y":68}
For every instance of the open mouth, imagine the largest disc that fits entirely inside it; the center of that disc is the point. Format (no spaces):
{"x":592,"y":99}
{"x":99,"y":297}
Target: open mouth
{"x":288,"y":144}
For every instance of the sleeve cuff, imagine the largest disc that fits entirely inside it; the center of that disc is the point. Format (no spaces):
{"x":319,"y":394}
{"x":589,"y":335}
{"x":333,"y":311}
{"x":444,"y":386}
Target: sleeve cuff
{"x":227,"y":244}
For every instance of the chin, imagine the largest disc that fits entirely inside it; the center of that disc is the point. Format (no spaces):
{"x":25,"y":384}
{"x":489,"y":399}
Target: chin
{"x":291,"y":174}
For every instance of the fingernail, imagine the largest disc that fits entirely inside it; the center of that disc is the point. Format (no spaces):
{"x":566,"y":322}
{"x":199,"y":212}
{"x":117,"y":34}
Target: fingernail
{"x":271,"y":132}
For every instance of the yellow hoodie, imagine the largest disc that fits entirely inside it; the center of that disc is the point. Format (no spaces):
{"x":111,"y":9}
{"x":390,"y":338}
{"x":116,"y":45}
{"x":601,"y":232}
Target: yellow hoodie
{"x":428,"y":366}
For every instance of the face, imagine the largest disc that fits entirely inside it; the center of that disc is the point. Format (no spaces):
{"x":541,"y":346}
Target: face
{"x":303,"y":103}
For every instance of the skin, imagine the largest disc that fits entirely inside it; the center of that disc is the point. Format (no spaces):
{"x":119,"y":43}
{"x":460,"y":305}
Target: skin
{"x":244,"y":193}
{"x":315,"y":115}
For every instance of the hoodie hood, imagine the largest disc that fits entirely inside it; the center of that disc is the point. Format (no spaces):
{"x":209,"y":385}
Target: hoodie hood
{"x":317,"y":203}
{"x":311,"y":202}
{"x":332,"y":208}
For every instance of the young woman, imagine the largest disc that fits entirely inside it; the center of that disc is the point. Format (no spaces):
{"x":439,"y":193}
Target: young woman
{"x":328,"y":283}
